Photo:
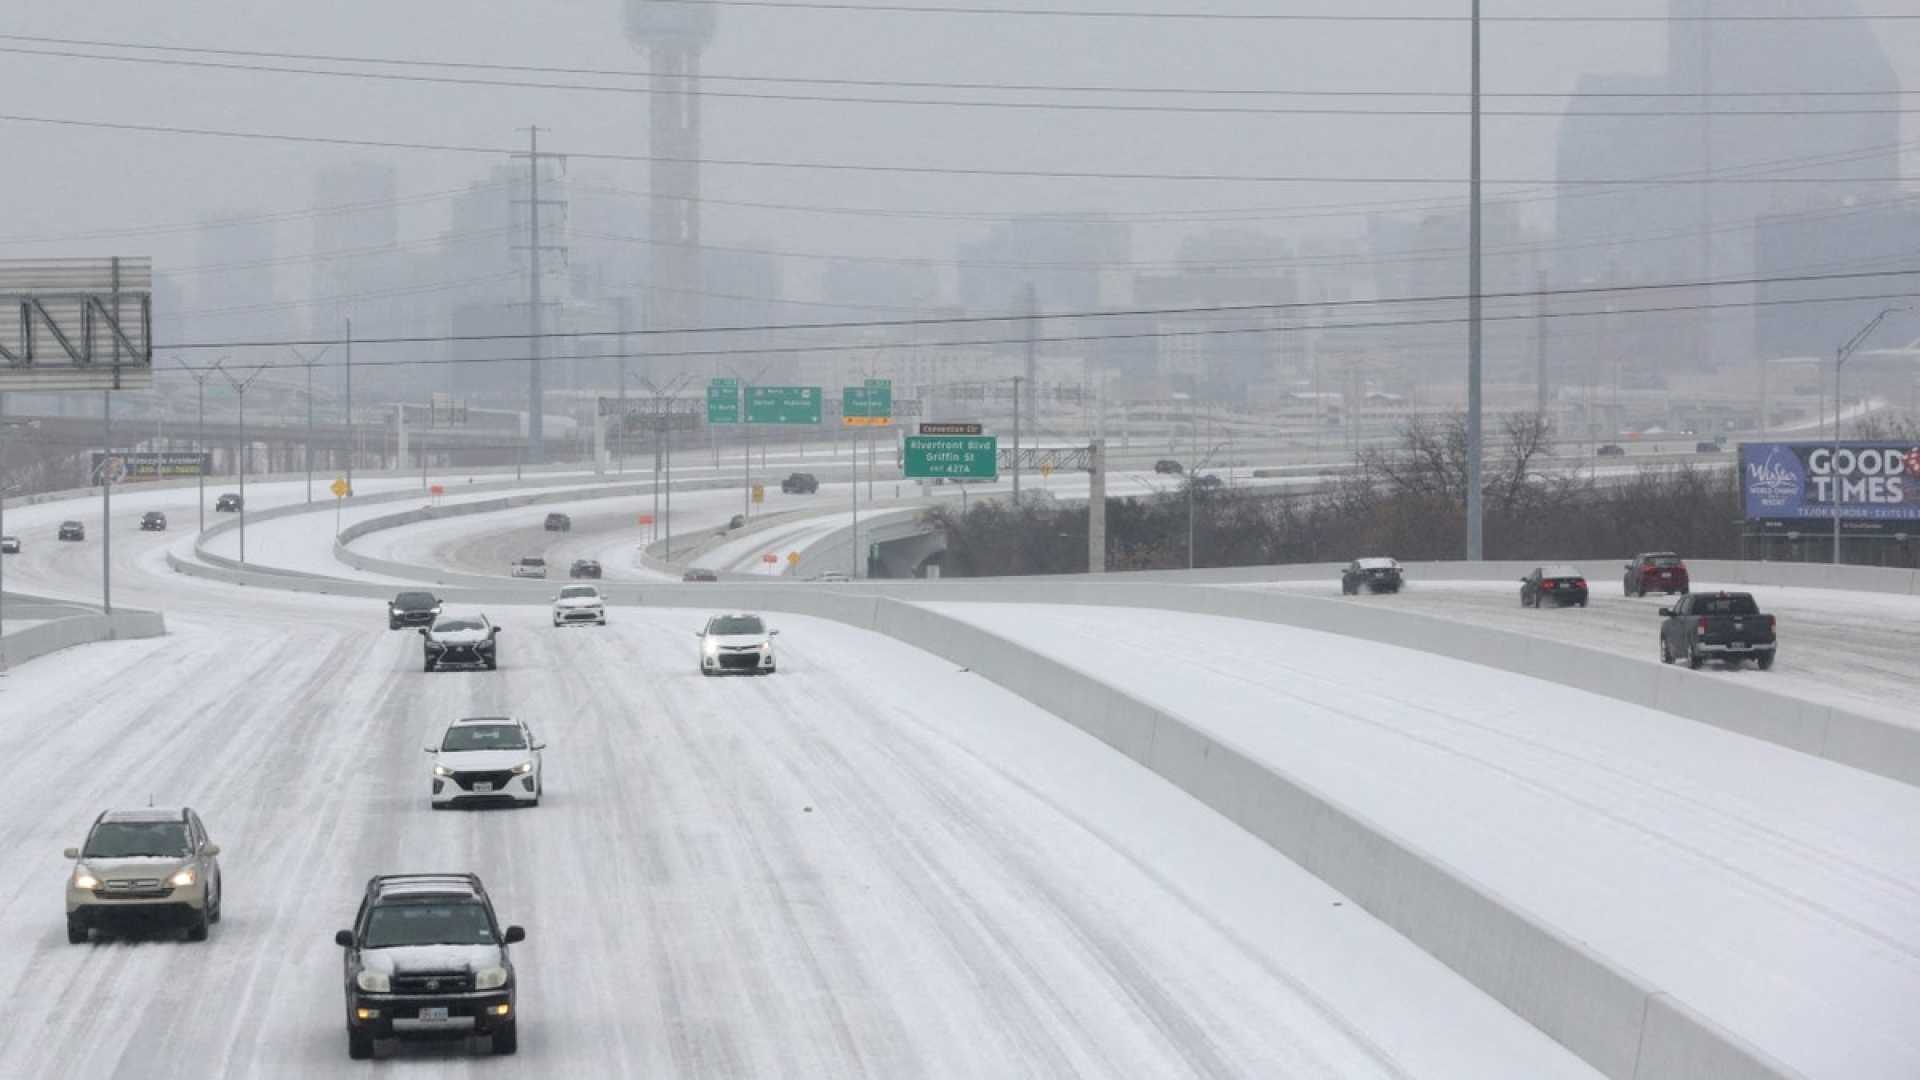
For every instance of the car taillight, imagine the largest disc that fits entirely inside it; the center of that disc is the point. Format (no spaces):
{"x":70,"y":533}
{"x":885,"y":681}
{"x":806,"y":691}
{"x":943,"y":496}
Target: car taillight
{"x":1769,"y":624}
{"x":1546,"y":584}
{"x":1581,"y":584}
{"x":1701,"y":626}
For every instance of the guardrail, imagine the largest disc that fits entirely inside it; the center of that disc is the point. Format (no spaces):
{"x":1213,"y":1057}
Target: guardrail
{"x":32,"y":642}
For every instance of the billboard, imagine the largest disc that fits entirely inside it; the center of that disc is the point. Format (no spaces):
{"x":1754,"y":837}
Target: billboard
{"x":76,"y":324}
{"x":133,"y":466}
{"x":1874,"y":481}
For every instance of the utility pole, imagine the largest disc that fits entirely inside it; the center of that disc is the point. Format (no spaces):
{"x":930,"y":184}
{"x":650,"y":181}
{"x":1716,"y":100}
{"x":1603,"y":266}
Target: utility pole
{"x":200,"y":377}
{"x":1033,"y":357}
{"x":240,"y":388}
{"x":620,"y":448}
{"x":349,"y":406}
{"x":1540,"y":344}
{"x":1840,"y":358}
{"x":106,"y":496}
{"x":1475,"y":447}
{"x":308,"y":362}
{"x":536,"y":400}
{"x":1016,"y":443}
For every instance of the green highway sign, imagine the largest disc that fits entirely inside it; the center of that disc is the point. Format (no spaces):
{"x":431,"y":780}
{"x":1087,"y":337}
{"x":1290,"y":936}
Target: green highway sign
{"x":783,"y":405}
{"x":723,"y":402}
{"x":953,"y":457}
{"x":867,"y":406}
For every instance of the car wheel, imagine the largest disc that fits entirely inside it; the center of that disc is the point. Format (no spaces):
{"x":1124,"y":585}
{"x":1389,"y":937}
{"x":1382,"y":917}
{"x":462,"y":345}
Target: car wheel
{"x":493,"y":665}
{"x":1666,"y":651}
{"x":602,"y":622}
{"x":707,"y":671}
{"x":1583,"y":603}
{"x":556,"y":624}
{"x":76,"y":931}
{"x":219,"y":898}
{"x":1694,"y":659}
{"x":1764,"y":661}
{"x":506,"y":1038}
{"x":197,"y":929}
{"x":428,"y":666}
{"x":392,"y":625}
{"x":359,"y":1045}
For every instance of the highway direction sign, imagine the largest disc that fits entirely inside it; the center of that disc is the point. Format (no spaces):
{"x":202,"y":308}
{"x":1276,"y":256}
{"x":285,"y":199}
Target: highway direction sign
{"x":952,"y":457}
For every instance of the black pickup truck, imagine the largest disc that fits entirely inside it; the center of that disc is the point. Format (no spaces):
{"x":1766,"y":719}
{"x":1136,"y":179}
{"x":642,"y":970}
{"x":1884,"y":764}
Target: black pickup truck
{"x":1716,"y":626}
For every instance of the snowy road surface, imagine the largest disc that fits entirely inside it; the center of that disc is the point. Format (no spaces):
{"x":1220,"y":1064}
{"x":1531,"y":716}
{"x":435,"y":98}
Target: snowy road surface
{"x":871,"y":864}
{"x":1777,"y":893}
{"x":1854,"y":650}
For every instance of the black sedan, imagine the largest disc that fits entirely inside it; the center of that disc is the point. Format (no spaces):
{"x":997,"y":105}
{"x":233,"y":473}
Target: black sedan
{"x":1371,"y":575}
{"x":153,"y":521}
{"x":699,"y":573}
{"x":558,"y":523}
{"x":227,"y":504}
{"x":1559,"y":585}
{"x":413,"y":609}
{"x":72,"y":530}
{"x":9,"y":545}
{"x":584,"y":568}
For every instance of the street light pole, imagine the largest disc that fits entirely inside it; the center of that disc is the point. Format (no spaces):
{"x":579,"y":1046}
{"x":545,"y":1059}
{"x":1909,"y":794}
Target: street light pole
{"x":308,"y":362}
{"x":240,"y":388}
{"x":1840,"y":358}
{"x":1475,"y":433}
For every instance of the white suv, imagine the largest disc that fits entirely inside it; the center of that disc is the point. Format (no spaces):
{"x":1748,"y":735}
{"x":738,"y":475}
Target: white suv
{"x":531,"y":566}
{"x":487,"y":760}
{"x":736,"y":644}
{"x":579,"y":604}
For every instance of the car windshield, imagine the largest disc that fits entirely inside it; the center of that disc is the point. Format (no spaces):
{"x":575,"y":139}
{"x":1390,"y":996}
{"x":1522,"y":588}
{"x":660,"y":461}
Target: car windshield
{"x":449,"y":626}
{"x":484,"y":737}
{"x":737,"y":624}
{"x":453,"y":922}
{"x":1725,"y":605}
{"x":126,"y":839}
{"x":414,"y":600}
{"x":578,"y":592}
{"x":533,"y":562}
{"x":1560,"y":572}
{"x":1662,"y":560}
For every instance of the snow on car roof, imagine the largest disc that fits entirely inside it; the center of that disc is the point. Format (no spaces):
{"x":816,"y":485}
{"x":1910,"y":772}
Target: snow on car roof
{"x":148,"y":814}
{"x":1377,"y":564}
{"x":483,"y":720}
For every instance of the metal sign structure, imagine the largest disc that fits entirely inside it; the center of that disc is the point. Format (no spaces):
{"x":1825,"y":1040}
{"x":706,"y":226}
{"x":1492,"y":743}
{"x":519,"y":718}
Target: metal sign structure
{"x":76,"y":324}
{"x":1798,"y":482}
{"x":783,"y":405}
{"x":445,"y":411}
{"x":651,"y":414}
{"x":135,"y":466}
{"x":952,"y":457}
{"x":723,"y":401}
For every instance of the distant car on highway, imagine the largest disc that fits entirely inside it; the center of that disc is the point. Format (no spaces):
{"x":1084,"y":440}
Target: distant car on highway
{"x":487,"y":760}
{"x":737,"y":521}
{"x":1209,"y":482}
{"x":1706,"y":448}
{"x":530,"y":567}
{"x":579,"y":604}
{"x":800,"y":484}
{"x":152,"y":867}
{"x":227,"y":504}
{"x":427,"y":958}
{"x":153,"y":521}
{"x":1717,"y":626}
{"x":587,"y":568}
{"x":1612,"y":450}
{"x":1560,"y":585}
{"x":1374,"y":575}
{"x":461,"y":641}
{"x":558,"y":523}
{"x":832,"y":577}
{"x":1657,"y":571}
{"x":736,"y":644}
{"x":9,"y":545}
{"x":699,"y":573}
{"x":72,"y":530}
{"x":1166,"y":466}
{"x":413,"y":609}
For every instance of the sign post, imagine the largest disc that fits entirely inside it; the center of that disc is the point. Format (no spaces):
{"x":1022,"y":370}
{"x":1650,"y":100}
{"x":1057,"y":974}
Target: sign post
{"x":341,"y":489}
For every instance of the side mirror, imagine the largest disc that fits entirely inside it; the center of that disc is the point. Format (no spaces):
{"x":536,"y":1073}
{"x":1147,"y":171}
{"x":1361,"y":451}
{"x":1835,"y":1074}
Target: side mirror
{"x":422,"y":631}
{"x":539,"y":746}
{"x":72,"y":853}
{"x":498,"y":630}
{"x":1666,"y":612}
{"x":514,"y":935}
{"x":431,"y":749}
{"x":1629,"y":566}
{"x":773,"y":633}
{"x":699,"y":633}
{"x":211,"y":850}
{"x":344,"y":939}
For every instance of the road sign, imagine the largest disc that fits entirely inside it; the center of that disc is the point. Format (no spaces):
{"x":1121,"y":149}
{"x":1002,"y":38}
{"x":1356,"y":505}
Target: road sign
{"x":793,"y":558}
{"x":437,"y":490}
{"x":951,"y":429}
{"x":770,"y":558}
{"x":1046,"y":470}
{"x":783,"y":405}
{"x":340,"y":488}
{"x":759,"y":494}
{"x":139,"y":465}
{"x":953,"y":457}
{"x":867,"y":406}
{"x":646,"y":519}
{"x":723,"y":402}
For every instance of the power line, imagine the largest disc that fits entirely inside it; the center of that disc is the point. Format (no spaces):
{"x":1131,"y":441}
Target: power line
{"x":1055,"y":106}
{"x":1261,"y":17}
{"x":1525,"y":294}
{"x":917,"y":170}
{"x":917,"y":84}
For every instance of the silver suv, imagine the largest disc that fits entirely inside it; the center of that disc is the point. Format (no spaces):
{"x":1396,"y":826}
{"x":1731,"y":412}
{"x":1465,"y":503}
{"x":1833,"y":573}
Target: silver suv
{"x":151,"y":866}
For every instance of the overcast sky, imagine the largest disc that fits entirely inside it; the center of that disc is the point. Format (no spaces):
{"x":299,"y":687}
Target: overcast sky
{"x":63,"y":181}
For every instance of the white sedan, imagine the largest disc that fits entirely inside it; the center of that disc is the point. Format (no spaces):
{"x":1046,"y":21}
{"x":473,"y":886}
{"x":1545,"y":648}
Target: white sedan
{"x":736,"y":644}
{"x":487,"y":760}
{"x":579,"y":604}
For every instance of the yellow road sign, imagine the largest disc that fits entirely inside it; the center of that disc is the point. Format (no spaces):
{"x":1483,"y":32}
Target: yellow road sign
{"x":759,"y":494}
{"x":793,"y":558}
{"x":341,"y":489}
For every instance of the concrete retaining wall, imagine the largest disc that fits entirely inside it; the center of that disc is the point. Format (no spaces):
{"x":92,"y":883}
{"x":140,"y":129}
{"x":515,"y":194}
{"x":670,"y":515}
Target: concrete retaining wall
{"x":35,"y":641}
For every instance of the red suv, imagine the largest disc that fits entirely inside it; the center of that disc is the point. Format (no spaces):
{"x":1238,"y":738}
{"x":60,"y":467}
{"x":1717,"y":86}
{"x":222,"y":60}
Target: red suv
{"x":1657,"y":571}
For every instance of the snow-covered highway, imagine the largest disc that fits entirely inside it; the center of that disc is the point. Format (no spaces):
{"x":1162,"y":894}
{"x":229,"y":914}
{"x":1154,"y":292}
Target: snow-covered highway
{"x":871,"y":864}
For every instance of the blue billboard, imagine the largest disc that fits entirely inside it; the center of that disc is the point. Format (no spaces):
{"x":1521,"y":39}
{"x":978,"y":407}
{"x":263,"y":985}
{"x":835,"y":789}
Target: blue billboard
{"x":1805,"y":481}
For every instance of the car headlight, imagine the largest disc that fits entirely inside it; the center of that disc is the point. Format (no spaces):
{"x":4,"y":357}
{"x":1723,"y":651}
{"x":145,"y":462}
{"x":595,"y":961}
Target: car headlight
{"x":523,"y":768}
{"x":84,"y":879}
{"x":442,"y":770}
{"x":486,"y":644}
{"x":374,"y":982}
{"x":492,"y":978}
{"x":182,"y":879}
{"x":393,"y":611}
{"x":436,"y":609}
{"x":711,"y":648}
{"x":766,"y":646}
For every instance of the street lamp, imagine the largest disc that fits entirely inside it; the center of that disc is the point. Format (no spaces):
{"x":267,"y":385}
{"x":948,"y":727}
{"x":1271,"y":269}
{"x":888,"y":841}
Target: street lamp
{"x":1840,"y":359}
{"x":240,"y":388}
{"x":308,"y":362}
{"x":200,"y":377}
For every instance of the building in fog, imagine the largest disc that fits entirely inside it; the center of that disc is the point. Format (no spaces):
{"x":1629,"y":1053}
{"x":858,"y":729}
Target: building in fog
{"x":1692,"y":231}
{"x":1064,"y":259}
{"x":230,"y":287}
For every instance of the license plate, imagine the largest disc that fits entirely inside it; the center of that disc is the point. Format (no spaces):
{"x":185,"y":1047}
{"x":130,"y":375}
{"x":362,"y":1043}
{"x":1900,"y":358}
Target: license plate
{"x":482,"y":786}
{"x":434,"y":1015}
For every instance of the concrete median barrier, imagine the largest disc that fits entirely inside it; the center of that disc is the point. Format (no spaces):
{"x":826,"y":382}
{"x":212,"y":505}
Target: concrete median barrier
{"x":38,"y":640}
